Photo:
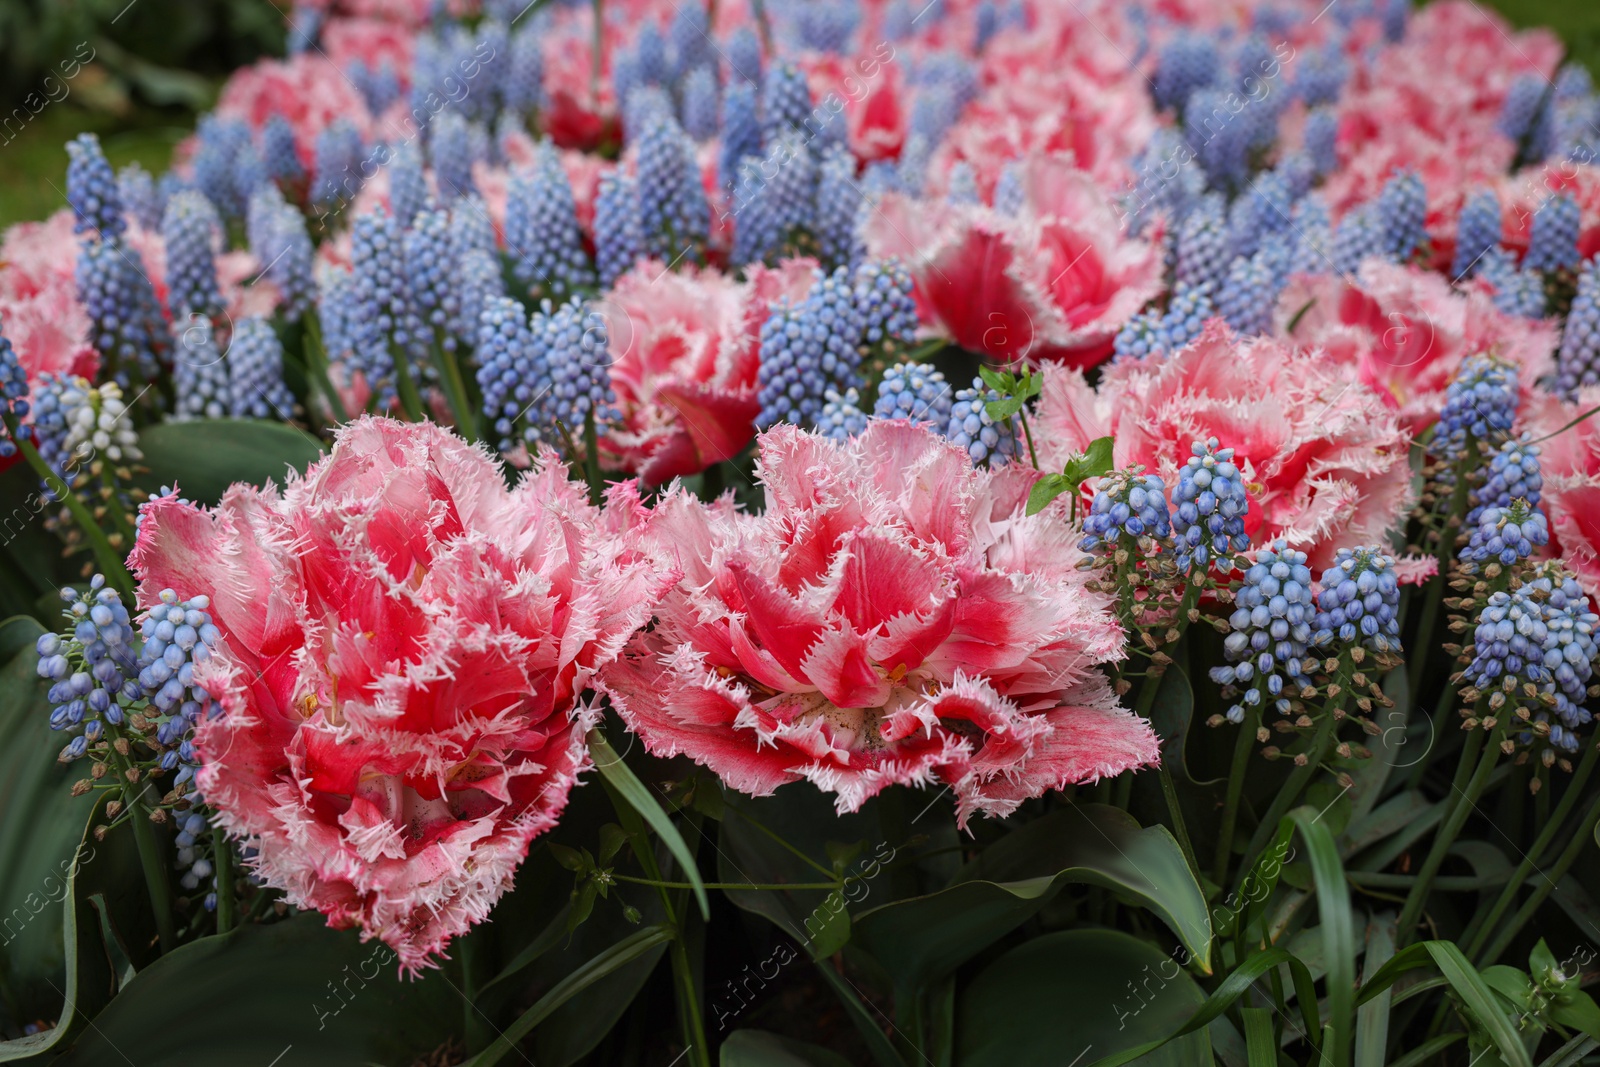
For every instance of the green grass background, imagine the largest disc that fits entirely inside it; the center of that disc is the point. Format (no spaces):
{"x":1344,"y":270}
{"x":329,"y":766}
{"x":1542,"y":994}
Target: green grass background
{"x":33,"y":165}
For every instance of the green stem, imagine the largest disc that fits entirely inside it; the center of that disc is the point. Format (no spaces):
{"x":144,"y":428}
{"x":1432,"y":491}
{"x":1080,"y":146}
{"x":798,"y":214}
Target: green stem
{"x":1301,"y":776}
{"x":774,"y":887}
{"x":111,"y":564}
{"x":316,"y":354}
{"x":1465,"y":800}
{"x":1548,"y":882}
{"x":1033,"y":456}
{"x":476,"y":1028}
{"x":1444,"y":552}
{"x":455,"y":391}
{"x":778,"y":839}
{"x":591,"y":460}
{"x":155,"y":870}
{"x":222,"y":861}
{"x":1230,"y":807}
{"x":410,"y":399}
{"x":1551,"y":824}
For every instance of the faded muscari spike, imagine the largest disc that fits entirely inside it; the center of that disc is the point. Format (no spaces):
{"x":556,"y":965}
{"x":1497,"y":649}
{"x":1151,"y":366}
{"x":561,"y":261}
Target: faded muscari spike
{"x":408,"y":187}
{"x":92,"y":188}
{"x":838,"y":209}
{"x":741,"y":131}
{"x":1271,"y":631}
{"x":137,"y":190}
{"x":1321,"y":139}
{"x":1578,"y":359}
{"x":1359,"y":602}
{"x":1209,"y":508}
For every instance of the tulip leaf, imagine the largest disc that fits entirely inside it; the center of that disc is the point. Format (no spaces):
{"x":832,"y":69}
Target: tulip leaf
{"x":760,"y":1048}
{"x":203,"y":458}
{"x":921,"y":939}
{"x":1083,"y":993}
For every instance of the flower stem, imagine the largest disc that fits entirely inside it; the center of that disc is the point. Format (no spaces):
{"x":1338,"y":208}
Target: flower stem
{"x":111,"y":564}
{"x":227,"y":903}
{"x":1230,"y":807}
{"x":155,"y":870}
{"x":316,"y":354}
{"x":1547,"y":882}
{"x":1301,"y":776}
{"x":410,"y":399}
{"x":1550,"y":825}
{"x":1444,"y":552}
{"x":1462,"y":805}
{"x":455,"y":391}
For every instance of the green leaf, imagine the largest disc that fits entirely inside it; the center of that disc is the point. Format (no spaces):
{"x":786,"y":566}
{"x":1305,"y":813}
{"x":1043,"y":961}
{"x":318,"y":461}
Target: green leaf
{"x":249,"y":995}
{"x":1372,"y":1019}
{"x":999,"y":381}
{"x":1338,"y":931}
{"x":924,"y":938}
{"x":630,"y":948}
{"x":203,"y":458}
{"x":1095,"y":462}
{"x":1294,"y":320}
{"x":759,"y":1048}
{"x":626,"y":783}
{"x":1475,"y":995}
{"x":1047,"y":489}
{"x":1063,"y":997}
{"x":1260,"y":1042}
{"x":570,"y":858}
{"x":832,"y":930}
{"x":1577,"y":1011}
{"x":1572,"y":1052}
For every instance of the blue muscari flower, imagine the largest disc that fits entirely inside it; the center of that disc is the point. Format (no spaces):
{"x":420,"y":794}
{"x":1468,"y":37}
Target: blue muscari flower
{"x":1297,"y":172}
{"x":220,"y":140}
{"x":775,"y":203}
{"x":741,"y":131}
{"x":1359,"y":237}
{"x":1186,"y":315}
{"x":963,"y":184}
{"x":1009,"y":195}
{"x":911,"y":176}
{"x":743,"y":54}
{"x":1524,"y":111}
{"x":542,"y":231}
{"x":1209,"y":506}
{"x":950,"y":69}
{"x":1578,"y":359}
{"x":700,"y":103}
{"x":1139,"y":337}
{"x":838,"y":209}
{"x":471,"y":227}
{"x":618,"y":242}
{"x":1403,"y":210}
{"x":1204,"y":248}
{"x":305,"y":25}
{"x":897,"y":21}
{"x":249,"y":173}
{"x":432,"y":276}
{"x":1248,"y":295}
{"x":1260,"y":211}
{"x":827,"y":25}
{"x":1477,"y":231}
{"x":1515,"y":291}
{"x":92,"y":188}
{"x":625,"y":83}
{"x":579,"y":358}
{"x":1553,"y":242}
{"x":984,"y":438}
{"x":513,"y":373}
{"x":383,"y":324}
{"x":785,"y":102}
{"x":1323,"y":72}
{"x":177,"y":636}
{"x":93,"y":665}
{"x":1394,"y":15}
{"x":339,"y":315}
{"x":1480,"y":403}
{"x":201,"y":381}
{"x":1359,"y":602}
{"x":255,"y":358}
{"x":1188,"y":62}
{"x":379,"y":86}
{"x":1271,"y":630}
{"x":692,"y":47}
{"x":986,"y":23}
{"x":888,"y":314}
{"x":1127,"y":503}
{"x":479,"y":279}
{"x":916,"y":392}
{"x":454,"y":144}
{"x":523,"y":88}
{"x":1321,"y":139}
{"x":1569,"y":652}
{"x":137,"y":191}
{"x":650,"y":50}
{"x":278,"y":151}
{"x":1506,"y":534}
{"x":408,"y":187}
{"x":1513,"y":474}
{"x":126,"y":325}
{"x":336,"y":169}
{"x":674,"y":215}
{"x":13,"y":395}
{"x":809,"y":349}
{"x":279,"y":241}
{"x":193,"y":234}
{"x":933,"y":112}
{"x":1573,"y":82}
{"x":1221,"y":142}
{"x":53,"y":406}
{"x":841,"y":416}
{"x":1312,"y":232}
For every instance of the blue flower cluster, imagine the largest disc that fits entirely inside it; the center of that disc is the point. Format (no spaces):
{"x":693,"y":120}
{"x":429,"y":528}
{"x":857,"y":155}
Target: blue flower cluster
{"x":1403,"y":208}
{"x":1578,"y":359}
{"x":915,"y":392}
{"x":1553,"y":241}
{"x":13,"y":396}
{"x":94,"y":668}
{"x":177,"y":635}
{"x":193,"y":234}
{"x":1506,"y":534}
{"x":1153,"y":332}
{"x":538,"y":372}
{"x":986,"y":439}
{"x":280,"y":243}
{"x":1209,"y":507}
{"x":1480,"y":404}
{"x":92,"y":189}
{"x":1477,"y":231}
{"x":1271,"y":628}
{"x":126,"y":325}
{"x":810,"y":349}
{"x":255,"y":372}
{"x":542,"y":231}
{"x":1513,"y":474}
{"x":1127,"y":503}
{"x":1359,"y":601}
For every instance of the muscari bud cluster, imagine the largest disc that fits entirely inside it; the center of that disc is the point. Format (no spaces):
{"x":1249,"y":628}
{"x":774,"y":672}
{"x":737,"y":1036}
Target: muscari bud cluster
{"x":1271,"y":631}
{"x":1209,"y":507}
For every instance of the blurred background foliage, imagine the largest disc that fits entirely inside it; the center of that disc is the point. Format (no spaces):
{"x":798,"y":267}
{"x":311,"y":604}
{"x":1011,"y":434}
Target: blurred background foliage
{"x":158,"y":63}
